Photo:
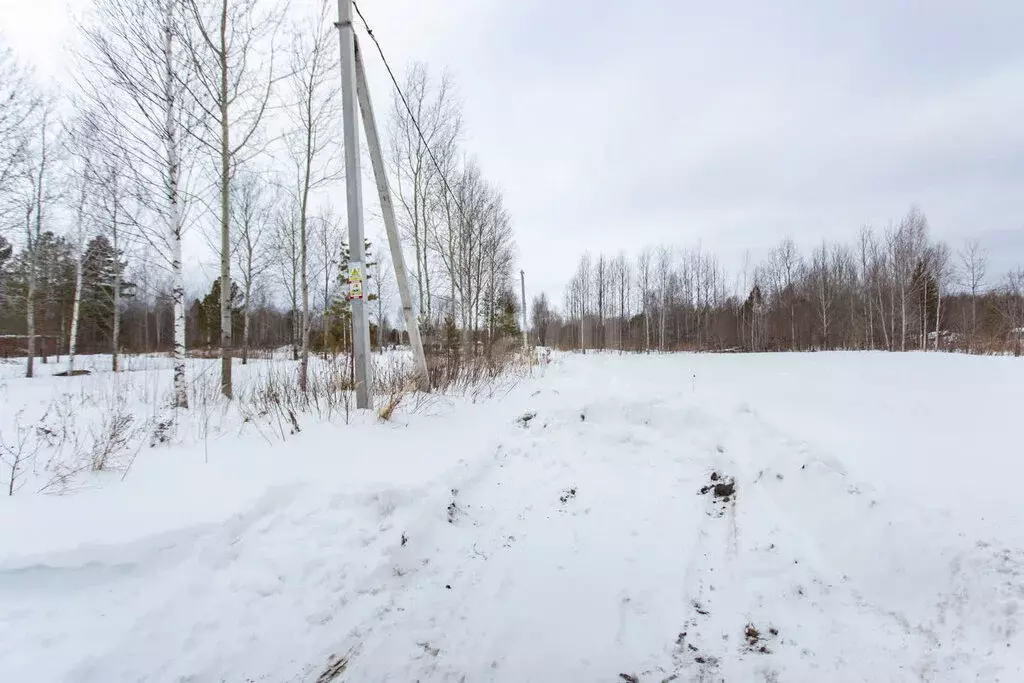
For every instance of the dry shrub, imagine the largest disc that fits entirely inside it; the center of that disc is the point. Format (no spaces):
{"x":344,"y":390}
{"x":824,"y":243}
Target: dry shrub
{"x":275,"y":396}
{"x":104,"y":422}
{"x":115,"y":437}
{"x":18,"y":453}
{"x":395,"y":381}
{"x":213,"y":353}
{"x":387,"y":411}
{"x":477,"y":372}
{"x":995,"y":346}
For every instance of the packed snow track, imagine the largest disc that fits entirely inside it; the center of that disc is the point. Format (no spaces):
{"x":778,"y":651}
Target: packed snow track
{"x":795,"y":517}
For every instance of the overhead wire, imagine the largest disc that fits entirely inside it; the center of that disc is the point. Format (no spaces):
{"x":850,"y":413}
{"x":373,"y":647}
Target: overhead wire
{"x":408,"y":108}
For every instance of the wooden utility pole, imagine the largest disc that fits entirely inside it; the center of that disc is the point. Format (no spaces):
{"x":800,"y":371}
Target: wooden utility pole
{"x":387,"y":209}
{"x":354,"y":197}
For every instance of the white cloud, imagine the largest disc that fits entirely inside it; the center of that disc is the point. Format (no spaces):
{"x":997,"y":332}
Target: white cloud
{"x":615,"y":124}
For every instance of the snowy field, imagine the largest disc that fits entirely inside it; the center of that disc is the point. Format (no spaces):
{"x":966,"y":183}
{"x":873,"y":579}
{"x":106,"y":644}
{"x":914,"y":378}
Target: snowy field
{"x":787,"y":517}
{"x":60,"y":426}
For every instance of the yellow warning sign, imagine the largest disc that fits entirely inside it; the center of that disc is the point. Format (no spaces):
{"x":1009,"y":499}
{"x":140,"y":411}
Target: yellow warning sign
{"x":355,"y":280}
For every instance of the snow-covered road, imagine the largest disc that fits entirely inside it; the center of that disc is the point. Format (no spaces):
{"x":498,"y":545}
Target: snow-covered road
{"x":819,"y":517}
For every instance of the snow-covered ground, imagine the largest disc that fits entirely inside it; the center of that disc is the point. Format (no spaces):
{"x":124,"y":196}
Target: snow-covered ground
{"x":59,"y":427}
{"x":861,"y":520}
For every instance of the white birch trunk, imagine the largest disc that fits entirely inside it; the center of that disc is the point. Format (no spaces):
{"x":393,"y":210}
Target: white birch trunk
{"x":903,"y":317}
{"x":892,"y":318}
{"x":304,"y":323}
{"x":647,"y":331}
{"x":881,"y":315}
{"x":30,"y":303}
{"x":223,"y":95}
{"x":77,"y":301}
{"x":180,"y":392}
{"x":116,"y":333}
{"x":245,"y":320}
{"x":924,"y":320}
{"x":304,"y":260}
{"x":73,"y":339}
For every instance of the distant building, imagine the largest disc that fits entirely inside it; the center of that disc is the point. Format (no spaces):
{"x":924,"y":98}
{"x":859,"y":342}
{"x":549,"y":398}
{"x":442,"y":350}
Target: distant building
{"x":15,"y":345}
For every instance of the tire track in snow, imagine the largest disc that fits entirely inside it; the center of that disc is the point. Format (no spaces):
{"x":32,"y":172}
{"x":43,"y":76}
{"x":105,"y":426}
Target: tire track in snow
{"x":760,"y":593}
{"x":551,"y":573}
{"x":875,"y":612}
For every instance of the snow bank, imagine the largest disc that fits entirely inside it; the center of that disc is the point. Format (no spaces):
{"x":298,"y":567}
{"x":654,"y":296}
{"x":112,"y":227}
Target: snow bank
{"x":571,"y":529}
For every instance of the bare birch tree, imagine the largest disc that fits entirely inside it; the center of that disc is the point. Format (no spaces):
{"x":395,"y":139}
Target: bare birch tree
{"x":792,"y":265}
{"x":330,"y":256}
{"x":80,"y":140}
{"x":974,"y":263}
{"x":113,"y":220}
{"x":382,"y":275}
{"x":823,"y":279}
{"x":20,"y":103}
{"x":1011,"y":306}
{"x":906,"y":244}
{"x":943,"y":272}
{"x":251,"y":215}
{"x":468,"y":227}
{"x":623,"y":281}
{"x":583,"y":297}
{"x":868,"y":273}
{"x":541,"y":317}
{"x":663,"y":284}
{"x":644,"y":284}
{"x":313,"y":141}
{"x":416,"y":181}
{"x":136,"y":75}
{"x":288,"y":251}
{"x":36,"y":197}
{"x":442,"y":223}
{"x":231,"y":46}
{"x":882,"y":275}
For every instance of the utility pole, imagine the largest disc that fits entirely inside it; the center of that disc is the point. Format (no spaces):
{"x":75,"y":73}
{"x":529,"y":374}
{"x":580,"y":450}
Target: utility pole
{"x":522,"y":282}
{"x":354,"y":197}
{"x":387,"y":209}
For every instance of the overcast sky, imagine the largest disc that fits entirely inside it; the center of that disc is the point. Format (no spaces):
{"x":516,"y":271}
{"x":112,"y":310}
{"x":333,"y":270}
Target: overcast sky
{"x":727,"y":124}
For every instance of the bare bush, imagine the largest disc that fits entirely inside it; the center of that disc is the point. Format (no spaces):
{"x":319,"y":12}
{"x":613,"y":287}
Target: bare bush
{"x":57,"y":432}
{"x":114,"y":438}
{"x":105,"y":420}
{"x":478,"y":375}
{"x":394,"y":399}
{"x":389,"y":407}
{"x":276,"y":397}
{"x":18,"y":453}
{"x":63,"y":478}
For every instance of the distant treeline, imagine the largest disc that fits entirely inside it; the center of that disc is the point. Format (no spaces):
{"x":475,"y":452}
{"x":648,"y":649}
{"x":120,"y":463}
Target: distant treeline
{"x":898,"y":290}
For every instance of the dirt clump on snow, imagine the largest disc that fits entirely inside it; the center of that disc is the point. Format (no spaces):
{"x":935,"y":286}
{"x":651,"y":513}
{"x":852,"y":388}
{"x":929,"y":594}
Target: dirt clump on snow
{"x":721,"y":487}
{"x":525,"y":418}
{"x":725,"y":490}
{"x":756,"y":641}
{"x":336,"y":666}
{"x":453,"y":508}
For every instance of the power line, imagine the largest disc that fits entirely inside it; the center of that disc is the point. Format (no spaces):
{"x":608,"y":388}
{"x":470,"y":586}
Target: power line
{"x":408,"y":109}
